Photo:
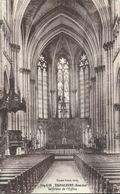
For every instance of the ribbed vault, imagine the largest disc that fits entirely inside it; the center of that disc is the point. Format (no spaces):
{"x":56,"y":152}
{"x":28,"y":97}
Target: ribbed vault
{"x":41,"y":21}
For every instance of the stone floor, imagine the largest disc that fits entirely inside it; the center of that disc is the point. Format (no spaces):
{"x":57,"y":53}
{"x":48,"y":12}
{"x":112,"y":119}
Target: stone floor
{"x":62,"y":177}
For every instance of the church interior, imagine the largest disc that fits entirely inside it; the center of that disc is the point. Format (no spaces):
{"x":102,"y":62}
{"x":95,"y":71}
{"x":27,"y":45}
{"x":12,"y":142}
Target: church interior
{"x":59,"y":96}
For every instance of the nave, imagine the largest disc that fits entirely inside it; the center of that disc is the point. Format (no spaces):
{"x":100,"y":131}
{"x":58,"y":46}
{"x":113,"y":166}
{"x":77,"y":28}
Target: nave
{"x":41,"y":172}
{"x":62,"y":177}
{"x":59,"y":94}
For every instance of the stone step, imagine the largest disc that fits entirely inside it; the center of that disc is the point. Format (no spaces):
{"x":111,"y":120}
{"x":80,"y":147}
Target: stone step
{"x":64,"y":157}
{"x":62,"y":151}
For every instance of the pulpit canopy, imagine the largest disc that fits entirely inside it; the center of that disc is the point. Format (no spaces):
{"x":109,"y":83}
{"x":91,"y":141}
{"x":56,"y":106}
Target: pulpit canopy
{"x":12,"y":101}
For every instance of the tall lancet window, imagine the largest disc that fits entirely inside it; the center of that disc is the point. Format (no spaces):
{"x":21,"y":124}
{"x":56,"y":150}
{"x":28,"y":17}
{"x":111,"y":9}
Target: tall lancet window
{"x":42,"y":88}
{"x":63,"y":88}
{"x":84,"y":93}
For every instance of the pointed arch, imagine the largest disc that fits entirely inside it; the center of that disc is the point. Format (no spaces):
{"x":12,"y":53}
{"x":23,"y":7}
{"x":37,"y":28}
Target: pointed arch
{"x":84,"y":86}
{"x":63,"y":87}
{"x":42,"y":84}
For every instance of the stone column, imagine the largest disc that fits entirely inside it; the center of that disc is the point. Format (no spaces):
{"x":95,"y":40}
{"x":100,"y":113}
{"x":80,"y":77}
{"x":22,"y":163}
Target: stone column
{"x":32,"y":111}
{"x":1,"y":62}
{"x":22,"y":114}
{"x":35,"y":108}
{"x":14,"y":50}
{"x":97,"y":105}
{"x":52,"y":92}
{"x":93,"y":105}
{"x":112,"y":3}
{"x":119,"y":34}
{"x":26,"y":94}
{"x":2,"y":149}
{"x":117,"y":127}
{"x":99,"y":70}
{"x":109,"y":97}
{"x":29,"y":104}
{"x":73,"y":110}
{"x":43,"y":137}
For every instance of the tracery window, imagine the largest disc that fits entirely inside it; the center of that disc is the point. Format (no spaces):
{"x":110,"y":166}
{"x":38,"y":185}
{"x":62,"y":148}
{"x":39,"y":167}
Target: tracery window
{"x":42,"y":88}
{"x":84,"y":93}
{"x":63,"y":102}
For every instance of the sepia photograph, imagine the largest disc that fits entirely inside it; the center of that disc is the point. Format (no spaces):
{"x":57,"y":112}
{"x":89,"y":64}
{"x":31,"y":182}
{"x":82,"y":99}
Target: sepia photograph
{"x":59,"y":96}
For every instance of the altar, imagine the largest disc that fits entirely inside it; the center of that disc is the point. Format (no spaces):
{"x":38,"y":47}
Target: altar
{"x":67,"y":135}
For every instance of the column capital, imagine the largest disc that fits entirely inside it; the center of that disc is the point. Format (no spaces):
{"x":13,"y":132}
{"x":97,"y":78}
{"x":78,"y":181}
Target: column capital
{"x":52,"y":91}
{"x":99,"y":68}
{"x":117,"y":107}
{"x":108,"y":45}
{"x":15,"y":46}
{"x":93,"y":79}
{"x":24,"y":70}
{"x":32,"y":80}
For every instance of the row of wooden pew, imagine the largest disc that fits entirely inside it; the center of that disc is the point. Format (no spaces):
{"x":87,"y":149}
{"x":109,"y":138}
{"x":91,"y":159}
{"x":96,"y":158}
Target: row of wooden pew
{"x":21,"y":176}
{"x":102,"y":172}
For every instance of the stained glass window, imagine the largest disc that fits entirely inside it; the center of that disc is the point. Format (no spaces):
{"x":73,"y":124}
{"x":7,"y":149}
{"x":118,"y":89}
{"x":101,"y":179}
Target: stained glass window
{"x":42,"y":88}
{"x":63,"y":88}
{"x":84,"y":93}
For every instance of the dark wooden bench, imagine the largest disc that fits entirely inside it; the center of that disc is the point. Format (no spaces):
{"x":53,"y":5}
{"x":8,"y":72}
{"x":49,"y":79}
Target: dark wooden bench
{"x":20,"y":179}
{"x":103,"y":177}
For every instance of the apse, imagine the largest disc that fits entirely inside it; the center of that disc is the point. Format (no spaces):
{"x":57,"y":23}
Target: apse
{"x":63,"y":84}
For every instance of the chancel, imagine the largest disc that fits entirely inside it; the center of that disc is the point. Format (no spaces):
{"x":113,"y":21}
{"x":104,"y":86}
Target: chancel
{"x":59,"y":96}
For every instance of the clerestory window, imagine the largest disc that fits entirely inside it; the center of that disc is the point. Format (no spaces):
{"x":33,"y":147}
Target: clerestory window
{"x":42,"y":88}
{"x":84,"y":93}
{"x":63,"y":85}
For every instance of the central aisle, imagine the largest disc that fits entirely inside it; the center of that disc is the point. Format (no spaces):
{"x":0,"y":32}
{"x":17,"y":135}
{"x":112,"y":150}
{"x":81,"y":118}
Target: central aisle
{"x":62,"y":177}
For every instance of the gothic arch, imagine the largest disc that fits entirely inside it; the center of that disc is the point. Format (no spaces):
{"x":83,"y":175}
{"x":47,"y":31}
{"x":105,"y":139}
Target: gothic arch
{"x":102,"y":8}
{"x":42,"y":44}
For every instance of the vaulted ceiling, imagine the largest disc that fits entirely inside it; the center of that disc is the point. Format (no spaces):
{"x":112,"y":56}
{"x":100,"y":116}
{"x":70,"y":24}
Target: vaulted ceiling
{"x":80,"y":20}
{"x":42,"y":11}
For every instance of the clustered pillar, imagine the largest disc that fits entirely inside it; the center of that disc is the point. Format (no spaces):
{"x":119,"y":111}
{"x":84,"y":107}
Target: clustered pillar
{"x":25,"y":121}
{"x":109,"y":97}
{"x":93,"y":105}
{"x":100,"y":101}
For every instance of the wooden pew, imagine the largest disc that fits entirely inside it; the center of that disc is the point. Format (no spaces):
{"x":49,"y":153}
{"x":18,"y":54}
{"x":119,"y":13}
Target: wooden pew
{"x":109,"y":171}
{"x":101,"y":176}
{"x":22,"y":179}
